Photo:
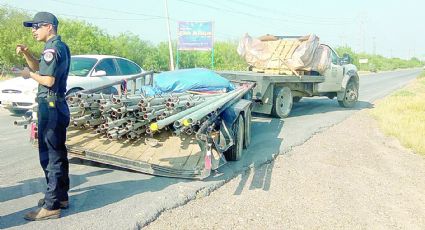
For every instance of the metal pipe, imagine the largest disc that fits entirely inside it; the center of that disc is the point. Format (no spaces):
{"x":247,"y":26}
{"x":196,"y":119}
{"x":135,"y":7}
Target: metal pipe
{"x":152,"y":115}
{"x":115,"y":123}
{"x":162,"y":123}
{"x":135,"y":134}
{"x":22,"y":122}
{"x":152,"y":101}
{"x":74,"y":109}
{"x":136,"y":125}
{"x":94,"y":122}
{"x":177,"y":104}
{"x":132,"y":108}
{"x":199,"y":114}
{"x":153,"y":108}
{"x":112,"y":136}
{"x":205,"y":107}
{"x":117,"y":82}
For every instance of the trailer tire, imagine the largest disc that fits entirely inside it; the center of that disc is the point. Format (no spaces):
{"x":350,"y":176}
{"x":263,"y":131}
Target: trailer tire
{"x":351,"y":94}
{"x":283,"y":101}
{"x":234,"y":153}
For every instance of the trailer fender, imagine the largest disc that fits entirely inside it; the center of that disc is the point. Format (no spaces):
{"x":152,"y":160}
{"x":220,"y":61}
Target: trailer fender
{"x":229,"y":117}
{"x":347,"y":77}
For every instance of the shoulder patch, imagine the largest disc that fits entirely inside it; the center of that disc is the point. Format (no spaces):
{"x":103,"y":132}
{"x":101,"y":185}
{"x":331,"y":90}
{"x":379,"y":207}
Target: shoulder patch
{"x":48,"y":55}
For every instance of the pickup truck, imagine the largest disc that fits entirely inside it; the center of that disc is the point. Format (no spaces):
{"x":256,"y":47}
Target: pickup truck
{"x":275,"y":93}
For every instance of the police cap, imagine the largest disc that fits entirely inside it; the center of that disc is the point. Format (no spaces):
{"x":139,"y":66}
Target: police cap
{"x":43,"y":17}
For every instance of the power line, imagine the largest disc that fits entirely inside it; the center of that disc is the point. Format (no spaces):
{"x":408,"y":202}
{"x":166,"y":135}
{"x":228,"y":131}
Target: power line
{"x":251,"y":16}
{"x":290,"y":14}
{"x":86,"y":17}
{"x":107,"y":9}
{"x":256,"y":16}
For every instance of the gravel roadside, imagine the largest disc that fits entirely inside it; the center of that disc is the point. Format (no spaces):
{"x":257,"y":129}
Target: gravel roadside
{"x":350,"y":176}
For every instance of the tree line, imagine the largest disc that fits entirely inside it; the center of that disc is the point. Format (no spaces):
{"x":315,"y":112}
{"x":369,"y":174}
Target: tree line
{"x":84,"y":38}
{"x":379,"y":62}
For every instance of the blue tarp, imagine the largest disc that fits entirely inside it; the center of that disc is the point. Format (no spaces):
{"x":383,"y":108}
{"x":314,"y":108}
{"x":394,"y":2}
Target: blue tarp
{"x":196,"y":79}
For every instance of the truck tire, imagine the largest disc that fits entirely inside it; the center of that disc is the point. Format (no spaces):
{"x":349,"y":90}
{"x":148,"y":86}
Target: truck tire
{"x":282,"y":100}
{"x":234,"y":153}
{"x":247,"y":140}
{"x":351,"y":95}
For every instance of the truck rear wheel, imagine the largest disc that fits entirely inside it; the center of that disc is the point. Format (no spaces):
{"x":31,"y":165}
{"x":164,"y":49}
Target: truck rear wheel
{"x":234,"y":153}
{"x":351,"y":95}
{"x":282,"y":102}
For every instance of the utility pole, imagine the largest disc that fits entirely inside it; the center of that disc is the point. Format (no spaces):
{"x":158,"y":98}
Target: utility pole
{"x":363,"y":36}
{"x":170,"y":47}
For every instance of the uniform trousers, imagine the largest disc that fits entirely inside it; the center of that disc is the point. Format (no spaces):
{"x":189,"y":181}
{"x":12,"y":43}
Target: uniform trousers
{"x":53,"y":120}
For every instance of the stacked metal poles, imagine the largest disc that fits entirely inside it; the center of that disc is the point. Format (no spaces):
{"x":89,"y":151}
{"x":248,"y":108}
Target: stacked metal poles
{"x":129,"y":116}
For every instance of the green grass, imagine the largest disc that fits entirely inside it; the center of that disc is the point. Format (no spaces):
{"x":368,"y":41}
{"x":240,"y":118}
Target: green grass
{"x":402,"y":115}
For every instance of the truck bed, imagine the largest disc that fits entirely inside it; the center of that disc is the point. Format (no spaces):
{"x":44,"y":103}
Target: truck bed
{"x":268,"y":77}
{"x":173,"y":156}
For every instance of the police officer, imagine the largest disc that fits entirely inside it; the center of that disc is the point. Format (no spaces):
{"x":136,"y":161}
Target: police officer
{"x":53,"y":113}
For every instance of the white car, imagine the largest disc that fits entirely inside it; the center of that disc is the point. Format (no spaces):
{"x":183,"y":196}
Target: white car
{"x":86,"y":72}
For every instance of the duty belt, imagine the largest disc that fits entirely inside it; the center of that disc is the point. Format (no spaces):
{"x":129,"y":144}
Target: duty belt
{"x":44,"y":99}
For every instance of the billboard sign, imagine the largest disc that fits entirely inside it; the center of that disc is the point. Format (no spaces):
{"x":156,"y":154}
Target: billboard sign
{"x":195,"y":36}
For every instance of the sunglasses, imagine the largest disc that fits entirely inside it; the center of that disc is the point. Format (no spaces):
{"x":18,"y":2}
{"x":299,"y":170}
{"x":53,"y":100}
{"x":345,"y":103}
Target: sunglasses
{"x":37,"y":26}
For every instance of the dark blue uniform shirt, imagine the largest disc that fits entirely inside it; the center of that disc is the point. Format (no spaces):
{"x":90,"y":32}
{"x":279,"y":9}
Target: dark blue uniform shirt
{"x":55,"y":61}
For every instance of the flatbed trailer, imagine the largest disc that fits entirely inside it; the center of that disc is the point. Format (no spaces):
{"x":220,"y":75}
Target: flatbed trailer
{"x":166,"y":154}
{"x":171,"y":156}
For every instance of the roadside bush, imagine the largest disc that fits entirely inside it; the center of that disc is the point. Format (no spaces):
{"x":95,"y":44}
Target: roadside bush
{"x":379,"y":62}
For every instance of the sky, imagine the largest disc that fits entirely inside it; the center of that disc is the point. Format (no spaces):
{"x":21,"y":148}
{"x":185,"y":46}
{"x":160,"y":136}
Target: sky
{"x":392,"y":28}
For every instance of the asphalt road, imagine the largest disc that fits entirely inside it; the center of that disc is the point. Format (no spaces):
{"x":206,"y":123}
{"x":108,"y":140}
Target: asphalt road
{"x":103,"y":197}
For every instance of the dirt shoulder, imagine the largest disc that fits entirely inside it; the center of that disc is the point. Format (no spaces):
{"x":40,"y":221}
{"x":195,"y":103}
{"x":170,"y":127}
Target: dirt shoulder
{"x":350,"y":176}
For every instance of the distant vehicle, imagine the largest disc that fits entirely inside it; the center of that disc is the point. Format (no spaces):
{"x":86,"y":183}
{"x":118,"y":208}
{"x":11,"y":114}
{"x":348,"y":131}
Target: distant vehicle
{"x":86,"y":72}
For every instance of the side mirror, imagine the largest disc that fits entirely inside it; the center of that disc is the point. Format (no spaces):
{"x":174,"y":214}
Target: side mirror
{"x":346,"y":59}
{"x":99,"y":73}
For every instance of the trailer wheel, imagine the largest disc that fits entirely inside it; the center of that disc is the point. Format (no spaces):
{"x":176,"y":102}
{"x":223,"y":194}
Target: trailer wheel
{"x":282,"y":102}
{"x":247,"y":140}
{"x":351,"y":95}
{"x":234,"y":153}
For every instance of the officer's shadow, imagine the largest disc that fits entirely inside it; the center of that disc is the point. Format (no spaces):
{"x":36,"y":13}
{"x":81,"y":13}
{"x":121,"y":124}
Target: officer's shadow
{"x":38,"y":185}
{"x":33,"y":186}
{"x":92,"y":197}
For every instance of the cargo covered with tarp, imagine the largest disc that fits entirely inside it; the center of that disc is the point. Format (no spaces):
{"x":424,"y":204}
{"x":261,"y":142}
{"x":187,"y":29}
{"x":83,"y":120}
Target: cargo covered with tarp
{"x":195,"y":80}
{"x":285,"y":54}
